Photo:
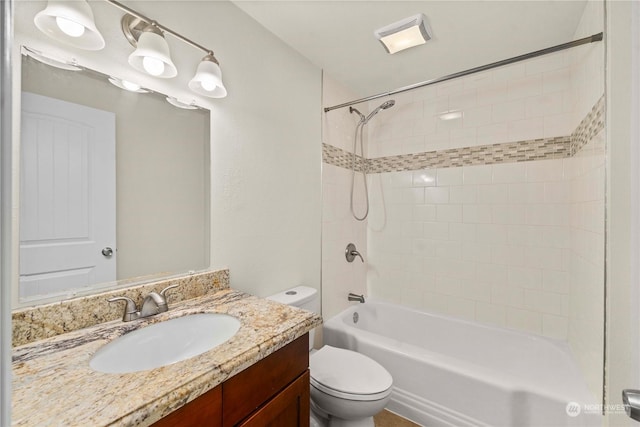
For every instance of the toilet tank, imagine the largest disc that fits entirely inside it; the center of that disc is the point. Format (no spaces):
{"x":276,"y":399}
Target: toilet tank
{"x":302,"y":297}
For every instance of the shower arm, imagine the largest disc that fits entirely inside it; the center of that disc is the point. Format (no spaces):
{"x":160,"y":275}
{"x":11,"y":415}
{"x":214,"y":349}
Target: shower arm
{"x":591,"y":39}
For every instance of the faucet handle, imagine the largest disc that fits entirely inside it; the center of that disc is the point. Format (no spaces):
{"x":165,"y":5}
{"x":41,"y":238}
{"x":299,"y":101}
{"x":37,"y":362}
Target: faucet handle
{"x":164,"y":291}
{"x":351,"y":253}
{"x":130,"y":310}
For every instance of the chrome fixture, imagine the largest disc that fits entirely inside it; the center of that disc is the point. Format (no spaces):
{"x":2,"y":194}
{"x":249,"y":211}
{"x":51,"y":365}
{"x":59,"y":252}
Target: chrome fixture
{"x":153,"y":304}
{"x":107,"y":251}
{"x":590,"y":39}
{"x":351,"y":253}
{"x":130,"y":310}
{"x":138,"y":29}
{"x":409,"y":32}
{"x":72,"y":22}
{"x":631,"y":401}
{"x":359,"y":130}
{"x":355,"y":297}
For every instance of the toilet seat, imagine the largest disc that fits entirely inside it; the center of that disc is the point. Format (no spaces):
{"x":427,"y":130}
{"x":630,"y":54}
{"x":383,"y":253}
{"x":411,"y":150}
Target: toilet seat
{"x":348,"y":375}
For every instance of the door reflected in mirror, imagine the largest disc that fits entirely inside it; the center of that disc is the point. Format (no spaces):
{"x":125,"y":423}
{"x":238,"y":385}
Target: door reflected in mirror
{"x":114,"y":185}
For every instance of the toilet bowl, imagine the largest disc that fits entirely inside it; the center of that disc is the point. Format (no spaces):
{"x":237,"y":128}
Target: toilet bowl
{"x":347,"y":388}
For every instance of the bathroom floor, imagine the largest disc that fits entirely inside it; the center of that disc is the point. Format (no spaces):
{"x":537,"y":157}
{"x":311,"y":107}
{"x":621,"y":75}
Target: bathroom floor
{"x":389,"y":419}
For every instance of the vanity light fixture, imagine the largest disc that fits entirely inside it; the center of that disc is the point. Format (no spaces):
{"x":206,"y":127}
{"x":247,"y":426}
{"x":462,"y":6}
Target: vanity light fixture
{"x":406,"y":33}
{"x":152,"y":54}
{"x":208,"y":78}
{"x":127,"y":85}
{"x":70,"y":22}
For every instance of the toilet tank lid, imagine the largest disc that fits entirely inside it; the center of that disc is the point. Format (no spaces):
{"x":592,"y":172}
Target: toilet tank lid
{"x":295,"y":296}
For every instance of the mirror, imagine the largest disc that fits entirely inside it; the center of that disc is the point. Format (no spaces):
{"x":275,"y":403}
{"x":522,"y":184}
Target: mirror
{"x":114,"y":185}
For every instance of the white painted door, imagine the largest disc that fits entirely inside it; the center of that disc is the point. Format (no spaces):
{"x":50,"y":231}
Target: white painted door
{"x":67,"y":197}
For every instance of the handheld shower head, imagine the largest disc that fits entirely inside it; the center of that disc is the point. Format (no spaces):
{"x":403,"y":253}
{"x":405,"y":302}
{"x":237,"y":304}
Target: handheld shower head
{"x":387,"y":104}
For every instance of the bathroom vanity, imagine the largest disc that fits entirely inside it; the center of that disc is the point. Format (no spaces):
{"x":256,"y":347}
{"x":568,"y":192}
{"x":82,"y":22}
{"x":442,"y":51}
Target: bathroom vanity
{"x":274,"y":391}
{"x":256,"y":378}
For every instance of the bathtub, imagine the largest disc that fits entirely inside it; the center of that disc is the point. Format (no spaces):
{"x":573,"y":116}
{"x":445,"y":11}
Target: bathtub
{"x":450,"y":372}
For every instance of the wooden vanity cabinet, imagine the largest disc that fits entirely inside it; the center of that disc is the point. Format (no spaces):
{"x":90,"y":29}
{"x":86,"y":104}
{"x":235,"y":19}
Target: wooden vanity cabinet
{"x":272,"y":392}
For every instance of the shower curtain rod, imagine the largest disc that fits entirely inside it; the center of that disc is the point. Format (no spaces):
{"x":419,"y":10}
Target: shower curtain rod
{"x":594,"y":38}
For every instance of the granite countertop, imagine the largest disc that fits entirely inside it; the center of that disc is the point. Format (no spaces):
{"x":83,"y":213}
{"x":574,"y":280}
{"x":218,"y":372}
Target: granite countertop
{"x":54,"y":385}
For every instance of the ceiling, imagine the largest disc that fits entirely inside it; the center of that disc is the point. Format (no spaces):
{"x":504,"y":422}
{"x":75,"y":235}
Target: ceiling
{"x":337,"y":36}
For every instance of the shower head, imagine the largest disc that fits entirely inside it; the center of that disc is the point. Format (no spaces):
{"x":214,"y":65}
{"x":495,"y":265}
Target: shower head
{"x":387,"y":104}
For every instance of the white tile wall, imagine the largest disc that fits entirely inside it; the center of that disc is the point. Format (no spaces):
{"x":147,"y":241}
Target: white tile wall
{"x":338,"y":226}
{"x":523,"y":101}
{"x":485,"y":237}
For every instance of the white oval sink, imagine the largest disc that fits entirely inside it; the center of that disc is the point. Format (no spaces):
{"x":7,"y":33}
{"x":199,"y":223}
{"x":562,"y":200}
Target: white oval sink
{"x":164,"y":343}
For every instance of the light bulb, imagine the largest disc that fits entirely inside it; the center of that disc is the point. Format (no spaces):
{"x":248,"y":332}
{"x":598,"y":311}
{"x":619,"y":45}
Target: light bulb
{"x":69,"y":27}
{"x":130,"y":85}
{"x":153,"y":66}
{"x":208,"y":85}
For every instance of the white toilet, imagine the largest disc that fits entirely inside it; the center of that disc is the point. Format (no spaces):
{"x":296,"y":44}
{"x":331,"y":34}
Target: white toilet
{"x":347,"y":388}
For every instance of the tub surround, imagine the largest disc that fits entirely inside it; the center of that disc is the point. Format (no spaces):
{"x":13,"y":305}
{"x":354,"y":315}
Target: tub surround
{"x":52,"y":380}
{"x":44,"y":321}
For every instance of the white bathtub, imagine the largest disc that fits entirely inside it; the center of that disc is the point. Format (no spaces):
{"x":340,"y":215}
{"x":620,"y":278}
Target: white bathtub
{"x":450,"y":372}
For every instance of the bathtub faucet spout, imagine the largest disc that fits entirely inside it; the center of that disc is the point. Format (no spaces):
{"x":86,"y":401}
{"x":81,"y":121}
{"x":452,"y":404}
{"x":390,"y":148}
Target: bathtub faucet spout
{"x":355,"y":297}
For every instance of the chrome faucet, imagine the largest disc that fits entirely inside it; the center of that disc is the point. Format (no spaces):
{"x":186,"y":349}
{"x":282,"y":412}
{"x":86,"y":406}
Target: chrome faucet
{"x":356,"y":297}
{"x":153,"y":304}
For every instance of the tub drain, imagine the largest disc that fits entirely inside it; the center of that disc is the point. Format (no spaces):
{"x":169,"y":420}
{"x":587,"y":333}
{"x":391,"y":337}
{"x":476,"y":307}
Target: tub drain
{"x":356,"y":317}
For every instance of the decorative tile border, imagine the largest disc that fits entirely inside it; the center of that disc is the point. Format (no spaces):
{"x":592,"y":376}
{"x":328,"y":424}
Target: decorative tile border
{"x":589,"y":127}
{"x":341,"y":158}
{"x":520,"y":151}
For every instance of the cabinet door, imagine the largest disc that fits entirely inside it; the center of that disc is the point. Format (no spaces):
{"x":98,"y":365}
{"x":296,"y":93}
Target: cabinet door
{"x":290,"y":408}
{"x":204,"y":411}
{"x":249,"y":390}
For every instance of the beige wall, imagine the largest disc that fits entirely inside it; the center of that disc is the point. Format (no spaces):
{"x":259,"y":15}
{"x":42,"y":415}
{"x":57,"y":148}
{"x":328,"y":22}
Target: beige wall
{"x":162,"y":170}
{"x":265,"y":136}
{"x":266,"y":155}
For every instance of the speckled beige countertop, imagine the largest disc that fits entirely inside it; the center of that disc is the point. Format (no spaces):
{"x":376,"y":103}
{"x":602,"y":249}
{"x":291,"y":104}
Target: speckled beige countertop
{"x":53,"y":384}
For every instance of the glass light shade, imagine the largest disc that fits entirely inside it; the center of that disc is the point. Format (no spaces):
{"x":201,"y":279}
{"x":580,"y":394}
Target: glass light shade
{"x":70,"y":22}
{"x":208,"y":80}
{"x":154,"y":48}
{"x":406,"y":33}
